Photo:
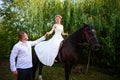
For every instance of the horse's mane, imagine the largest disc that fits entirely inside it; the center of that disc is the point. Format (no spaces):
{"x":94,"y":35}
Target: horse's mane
{"x":77,"y":35}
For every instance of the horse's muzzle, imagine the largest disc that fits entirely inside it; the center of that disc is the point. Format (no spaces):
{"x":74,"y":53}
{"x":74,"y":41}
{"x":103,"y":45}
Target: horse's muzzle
{"x":95,"y":47}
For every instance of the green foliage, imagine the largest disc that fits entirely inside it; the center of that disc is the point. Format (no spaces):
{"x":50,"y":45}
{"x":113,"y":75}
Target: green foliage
{"x":37,"y":17}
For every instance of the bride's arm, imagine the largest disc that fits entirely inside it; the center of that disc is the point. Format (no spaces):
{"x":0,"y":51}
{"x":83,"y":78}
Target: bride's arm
{"x":51,"y":31}
{"x":63,"y":33}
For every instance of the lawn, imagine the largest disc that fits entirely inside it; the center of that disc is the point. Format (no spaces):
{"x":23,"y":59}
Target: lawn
{"x":56,"y":72}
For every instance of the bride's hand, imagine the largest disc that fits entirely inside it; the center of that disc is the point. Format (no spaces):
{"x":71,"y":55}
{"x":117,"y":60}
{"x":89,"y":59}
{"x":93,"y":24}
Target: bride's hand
{"x":66,"y":34}
{"x":46,"y":34}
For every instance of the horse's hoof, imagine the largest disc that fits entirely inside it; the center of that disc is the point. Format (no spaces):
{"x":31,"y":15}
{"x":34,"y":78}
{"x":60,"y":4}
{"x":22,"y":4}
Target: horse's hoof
{"x":40,"y":77}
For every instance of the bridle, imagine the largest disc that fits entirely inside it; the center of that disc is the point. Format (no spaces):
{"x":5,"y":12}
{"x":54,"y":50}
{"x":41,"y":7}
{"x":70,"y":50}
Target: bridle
{"x":87,"y":36}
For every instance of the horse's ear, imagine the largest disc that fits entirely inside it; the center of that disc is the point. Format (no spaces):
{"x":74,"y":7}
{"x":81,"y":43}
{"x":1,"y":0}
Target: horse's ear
{"x":92,"y":25}
{"x":83,"y":23}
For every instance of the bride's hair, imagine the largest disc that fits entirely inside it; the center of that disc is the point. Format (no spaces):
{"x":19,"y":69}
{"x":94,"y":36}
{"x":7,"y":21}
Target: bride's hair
{"x":58,"y":16}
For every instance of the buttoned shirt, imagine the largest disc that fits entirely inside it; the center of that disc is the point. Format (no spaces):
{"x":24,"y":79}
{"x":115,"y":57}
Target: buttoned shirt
{"x":21,"y":54}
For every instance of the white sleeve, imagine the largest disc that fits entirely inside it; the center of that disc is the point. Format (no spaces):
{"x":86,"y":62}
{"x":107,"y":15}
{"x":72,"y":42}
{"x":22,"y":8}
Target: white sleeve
{"x":33,"y":43}
{"x":13,"y":56}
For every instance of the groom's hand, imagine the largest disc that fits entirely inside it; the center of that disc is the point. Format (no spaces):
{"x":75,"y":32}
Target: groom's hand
{"x":15,"y":73}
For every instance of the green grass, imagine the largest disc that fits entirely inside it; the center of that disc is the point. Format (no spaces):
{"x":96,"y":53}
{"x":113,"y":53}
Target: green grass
{"x":57,"y":73}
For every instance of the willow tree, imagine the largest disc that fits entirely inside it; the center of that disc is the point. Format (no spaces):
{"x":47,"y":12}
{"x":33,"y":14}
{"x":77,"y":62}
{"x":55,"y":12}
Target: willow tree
{"x":37,"y":16}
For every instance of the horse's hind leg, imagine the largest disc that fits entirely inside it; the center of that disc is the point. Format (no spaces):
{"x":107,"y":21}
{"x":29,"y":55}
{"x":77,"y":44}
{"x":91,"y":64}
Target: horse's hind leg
{"x":68,"y":67}
{"x":40,"y":71}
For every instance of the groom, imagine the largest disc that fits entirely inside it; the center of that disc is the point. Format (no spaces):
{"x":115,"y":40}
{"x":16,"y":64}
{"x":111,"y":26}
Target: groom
{"x":21,"y":56}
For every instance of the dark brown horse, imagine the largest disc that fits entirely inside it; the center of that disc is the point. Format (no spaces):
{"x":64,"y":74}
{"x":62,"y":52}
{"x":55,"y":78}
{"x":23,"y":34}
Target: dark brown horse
{"x":68,"y":51}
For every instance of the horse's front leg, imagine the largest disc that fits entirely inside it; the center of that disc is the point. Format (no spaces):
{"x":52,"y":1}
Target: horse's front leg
{"x":35,"y":65}
{"x":40,"y":71}
{"x":68,"y":67}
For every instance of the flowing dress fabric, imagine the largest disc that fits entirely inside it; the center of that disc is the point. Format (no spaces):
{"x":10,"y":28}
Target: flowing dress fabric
{"x":47,"y":50}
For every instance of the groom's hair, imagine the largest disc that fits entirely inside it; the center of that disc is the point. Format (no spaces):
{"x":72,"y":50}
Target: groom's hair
{"x":21,"y":34}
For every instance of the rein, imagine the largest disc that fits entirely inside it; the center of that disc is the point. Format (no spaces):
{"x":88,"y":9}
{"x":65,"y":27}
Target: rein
{"x":88,"y":61}
{"x":88,"y":40}
{"x":80,"y":44}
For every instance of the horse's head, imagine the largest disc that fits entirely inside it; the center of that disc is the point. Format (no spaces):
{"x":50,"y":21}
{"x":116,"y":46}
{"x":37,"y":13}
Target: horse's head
{"x":90,"y":36}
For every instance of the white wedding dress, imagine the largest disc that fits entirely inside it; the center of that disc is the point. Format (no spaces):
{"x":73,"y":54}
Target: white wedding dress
{"x":47,"y":50}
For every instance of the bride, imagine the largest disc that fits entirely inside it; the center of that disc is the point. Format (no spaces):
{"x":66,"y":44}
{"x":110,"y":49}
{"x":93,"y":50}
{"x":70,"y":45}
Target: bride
{"x":47,"y":50}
